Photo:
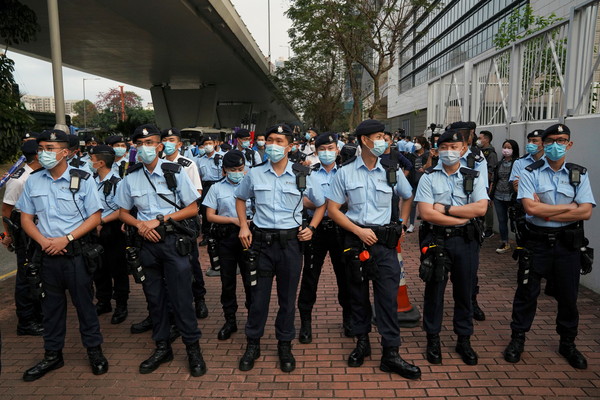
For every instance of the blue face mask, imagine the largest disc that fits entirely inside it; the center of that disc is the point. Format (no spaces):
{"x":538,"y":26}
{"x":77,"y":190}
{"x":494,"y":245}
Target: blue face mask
{"x":379,"y":147}
{"x":90,"y":164}
{"x":120,"y":151}
{"x":201,"y":152}
{"x":170,"y":148}
{"x":449,"y":157}
{"x":235,"y":177}
{"x":245,"y":144}
{"x":147,"y":154}
{"x":275,"y":152}
{"x":327,"y":157}
{"x":47,"y":159}
{"x":532,"y":148}
{"x":555,"y":151}
{"x":307,"y":136}
{"x":294,"y":148}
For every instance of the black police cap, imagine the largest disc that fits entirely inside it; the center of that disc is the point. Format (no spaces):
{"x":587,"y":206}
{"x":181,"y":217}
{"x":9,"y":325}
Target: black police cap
{"x":314,"y":130}
{"x":170,"y":132}
{"x":458,"y":125}
{"x":535,"y":133}
{"x":54,"y":135}
{"x":233,"y":158}
{"x":114,"y":139}
{"x":73,"y":141}
{"x":144,"y":131}
{"x":102,"y":149}
{"x":556,"y":129}
{"x":29,"y":148}
{"x":91,"y":138}
{"x":31,"y":135}
{"x":281,"y":129}
{"x":471,"y":124}
{"x":242,"y":133}
{"x":368,"y":127}
{"x":225,"y":146}
{"x":325,"y":138}
{"x":450,"y":136}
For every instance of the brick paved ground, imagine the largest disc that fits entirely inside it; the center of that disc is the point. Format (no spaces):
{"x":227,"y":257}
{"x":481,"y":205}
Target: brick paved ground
{"x":321,"y":371}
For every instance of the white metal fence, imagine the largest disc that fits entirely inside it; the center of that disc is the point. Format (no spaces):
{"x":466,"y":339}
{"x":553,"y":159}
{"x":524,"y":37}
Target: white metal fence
{"x":552,"y":74}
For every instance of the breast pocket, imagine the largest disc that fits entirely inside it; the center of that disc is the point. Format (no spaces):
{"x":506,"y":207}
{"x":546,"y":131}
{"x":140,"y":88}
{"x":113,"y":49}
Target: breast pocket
{"x":383,"y":196}
{"x":356,"y":193}
{"x":141,"y":199}
{"x":40,"y":201}
{"x":546,"y":194}
{"x":65,"y":203}
{"x":290,"y":198}
{"x":263,"y":195}
{"x":441,"y":194}
{"x":566,"y":193}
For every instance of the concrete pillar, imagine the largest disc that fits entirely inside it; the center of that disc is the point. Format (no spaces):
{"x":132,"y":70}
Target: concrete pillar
{"x":182,"y":108}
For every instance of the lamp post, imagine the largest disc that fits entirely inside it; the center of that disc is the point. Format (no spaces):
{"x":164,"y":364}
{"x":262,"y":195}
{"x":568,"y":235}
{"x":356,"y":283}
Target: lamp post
{"x":84,"y":104}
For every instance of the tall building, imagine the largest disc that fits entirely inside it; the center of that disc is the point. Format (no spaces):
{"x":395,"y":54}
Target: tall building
{"x":46,"y":104}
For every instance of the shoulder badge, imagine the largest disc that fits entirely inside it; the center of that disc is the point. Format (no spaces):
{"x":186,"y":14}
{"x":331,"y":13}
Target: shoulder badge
{"x":135,"y":167}
{"x":469,"y":172}
{"x":18,"y":173}
{"x":315,"y":167}
{"x":217,"y":159}
{"x":533,"y":166}
{"x":170,"y":167}
{"x":349,"y":161}
{"x":258,"y":165}
{"x":114,"y":180}
{"x":388,"y":163}
{"x":569,"y":166}
{"x":184,"y":162}
{"x":79,"y":172}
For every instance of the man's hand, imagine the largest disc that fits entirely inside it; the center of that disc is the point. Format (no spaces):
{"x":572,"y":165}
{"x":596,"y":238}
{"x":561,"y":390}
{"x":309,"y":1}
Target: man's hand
{"x":56,"y":246}
{"x":7,"y":241}
{"x":367,"y":236}
{"x":305,"y":234}
{"x":245,"y":236}
{"x":516,"y":184}
{"x":146,"y":230}
{"x":439,"y":207}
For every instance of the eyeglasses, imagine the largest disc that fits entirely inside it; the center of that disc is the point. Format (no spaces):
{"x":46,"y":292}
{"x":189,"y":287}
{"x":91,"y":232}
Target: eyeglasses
{"x":559,"y":141}
{"x":148,"y":143}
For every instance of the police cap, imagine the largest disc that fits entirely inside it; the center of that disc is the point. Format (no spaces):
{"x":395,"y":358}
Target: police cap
{"x":29,"y":148}
{"x":233,"y":158}
{"x":281,"y":129}
{"x":54,"y":135}
{"x":368,"y":127}
{"x":73,"y":141}
{"x":556,"y":129}
{"x":91,"y":138}
{"x":450,"y":136}
{"x":458,"y":125}
{"x":170,"y":132}
{"x":207,"y":138}
{"x":242,"y":133}
{"x":325,"y":138}
{"x":31,"y":135}
{"x":114,"y":139}
{"x":102,"y":149}
{"x":536,"y":133}
{"x":225,"y":146}
{"x":144,"y":131}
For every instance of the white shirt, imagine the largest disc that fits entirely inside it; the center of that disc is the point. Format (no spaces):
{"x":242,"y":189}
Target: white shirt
{"x":14,"y":186}
{"x":191,"y":170}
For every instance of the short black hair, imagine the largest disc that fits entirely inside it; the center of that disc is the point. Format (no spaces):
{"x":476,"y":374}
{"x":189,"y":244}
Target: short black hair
{"x":488,"y":135}
{"x":108,"y":159}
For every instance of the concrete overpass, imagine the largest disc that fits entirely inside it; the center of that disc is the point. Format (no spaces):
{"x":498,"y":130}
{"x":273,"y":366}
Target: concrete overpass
{"x":198,"y":59}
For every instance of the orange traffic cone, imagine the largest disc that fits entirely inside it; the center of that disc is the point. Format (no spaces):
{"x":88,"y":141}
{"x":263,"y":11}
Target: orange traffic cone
{"x":408,"y":316}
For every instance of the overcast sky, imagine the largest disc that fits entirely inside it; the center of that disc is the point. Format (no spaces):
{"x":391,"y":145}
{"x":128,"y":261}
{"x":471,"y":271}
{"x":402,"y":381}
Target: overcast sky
{"x":35,"y":77}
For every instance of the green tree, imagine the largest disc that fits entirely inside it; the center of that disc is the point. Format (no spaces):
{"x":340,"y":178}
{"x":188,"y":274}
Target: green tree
{"x":91,"y":113}
{"x":18,"y":24}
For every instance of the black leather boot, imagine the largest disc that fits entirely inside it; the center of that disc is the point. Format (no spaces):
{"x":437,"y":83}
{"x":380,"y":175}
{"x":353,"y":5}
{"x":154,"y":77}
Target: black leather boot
{"x":392,"y":362}
{"x":287,"y":362}
{"x":434,"y":351}
{"x":252,"y":353}
{"x":30,"y":328}
{"x":463,"y":347}
{"x":229,"y":327}
{"x":201,"y":309}
{"x":478,"y":314}
{"x":103,"y":308}
{"x":568,"y":350}
{"x":119,"y":315}
{"x":515,"y":348}
{"x":195,"y":359}
{"x":362,"y":350}
{"x":162,"y":354}
{"x":305,"y":335}
{"x":52,"y":360}
{"x":143,"y":326}
{"x":98,"y":362}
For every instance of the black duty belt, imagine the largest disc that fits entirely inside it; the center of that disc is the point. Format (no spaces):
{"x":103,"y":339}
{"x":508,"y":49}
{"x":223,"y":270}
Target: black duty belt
{"x":551,"y":235}
{"x":448,"y":231}
{"x":327,"y":224}
{"x":270,"y":236}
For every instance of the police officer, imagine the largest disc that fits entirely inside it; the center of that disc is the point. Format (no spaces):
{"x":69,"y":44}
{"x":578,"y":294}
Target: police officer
{"x":28,"y":308}
{"x":90,"y":141}
{"x":220,"y":203}
{"x":171,"y":139}
{"x":295,"y":155}
{"x":327,"y":239}
{"x":119,"y":146}
{"x":111,"y":279}
{"x":276,"y":241}
{"x":164,"y":197}
{"x":534,"y":151}
{"x":367,"y":186}
{"x":67,"y":207}
{"x":557,"y":198}
{"x":252,"y":157}
{"x":209,"y":167}
{"x":450,"y":198}
{"x":73,"y":158}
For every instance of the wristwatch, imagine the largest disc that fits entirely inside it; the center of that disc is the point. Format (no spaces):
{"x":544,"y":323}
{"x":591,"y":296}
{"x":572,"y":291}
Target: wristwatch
{"x":312,"y":228}
{"x":447,"y":209}
{"x":70,"y":238}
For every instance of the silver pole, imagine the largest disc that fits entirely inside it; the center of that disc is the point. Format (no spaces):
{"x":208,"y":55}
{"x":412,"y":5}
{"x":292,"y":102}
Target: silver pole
{"x":269,"y":30}
{"x":59,"y":95}
{"x":84,"y":107}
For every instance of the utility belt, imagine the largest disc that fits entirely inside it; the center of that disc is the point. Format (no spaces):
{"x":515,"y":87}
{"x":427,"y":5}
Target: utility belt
{"x":223,"y":231}
{"x":85,"y":247}
{"x":270,"y":236}
{"x":572,"y":236}
{"x":327,"y":224}
{"x":470,"y":231}
{"x":387,"y":235}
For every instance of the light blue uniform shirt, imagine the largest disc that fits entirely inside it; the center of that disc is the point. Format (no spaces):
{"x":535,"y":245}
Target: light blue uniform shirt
{"x":221,"y":198}
{"x":209,"y":171}
{"x":323,"y":178}
{"x":108,"y":202}
{"x":553,"y":188}
{"x":439,"y":187}
{"x":368,"y":194}
{"x":52,"y":202}
{"x":278,"y":202}
{"x":255,"y":155}
{"x":480,"y":166}
{"x":135,"y":190}
{"x":519,"y":166}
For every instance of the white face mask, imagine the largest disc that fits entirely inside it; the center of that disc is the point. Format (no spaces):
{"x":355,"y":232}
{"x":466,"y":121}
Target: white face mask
{"x":449,"y":157}
{"x":418,"y":146}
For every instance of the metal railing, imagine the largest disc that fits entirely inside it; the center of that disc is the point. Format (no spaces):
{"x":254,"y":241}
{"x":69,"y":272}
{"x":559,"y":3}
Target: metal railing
{"x":551,"y":74}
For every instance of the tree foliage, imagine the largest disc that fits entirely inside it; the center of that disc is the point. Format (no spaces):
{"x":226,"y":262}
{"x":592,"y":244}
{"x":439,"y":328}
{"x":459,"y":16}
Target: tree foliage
{"x":91,"y":113}
{"x":18,"y":23}
{"x":521,"y":23}
{"x":112,"y":100}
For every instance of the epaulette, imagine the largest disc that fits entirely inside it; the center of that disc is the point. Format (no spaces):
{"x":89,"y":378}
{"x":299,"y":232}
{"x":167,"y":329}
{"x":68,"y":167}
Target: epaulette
{"x":184,"y":162}
{"x":79,"y":172}
{"x":570,"y":166}
{"x":217,"y":159}
{"x":114,"y":179}
{"x":388,"y":163}
{"x":262,"y":163}
{"x":488,"y":151}
{"x":430,"y":170}
{"x":469,"y":172}
{"x":18,"y":173}
{"x":135,"y":167}
{"x":349,"y":161}
{"x":170,"y":167}
{"x":221,"y":180}
{"x":37,"y":170}
{"x":315,"y":167}
{"x":535,"y":165}
{"x":75,"y":162}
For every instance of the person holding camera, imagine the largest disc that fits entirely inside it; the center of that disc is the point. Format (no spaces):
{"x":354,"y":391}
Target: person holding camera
{"x":67,"y":206}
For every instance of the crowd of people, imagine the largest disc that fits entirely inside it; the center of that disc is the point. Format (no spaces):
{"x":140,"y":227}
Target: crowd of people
{"x":271,"y":206}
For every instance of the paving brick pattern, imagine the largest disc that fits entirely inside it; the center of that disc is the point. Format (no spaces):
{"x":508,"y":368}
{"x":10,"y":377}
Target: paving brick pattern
{"x":322,"y":372}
